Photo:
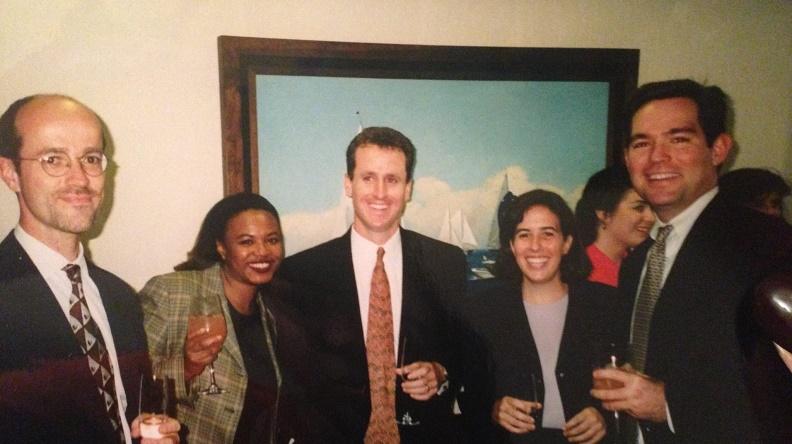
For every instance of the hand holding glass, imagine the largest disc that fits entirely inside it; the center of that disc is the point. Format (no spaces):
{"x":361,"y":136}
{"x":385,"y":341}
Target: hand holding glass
{"x":609,"y":384}
{"x":156,"y":396}
{"x":206,"y":318}
{"x":406,"y":419}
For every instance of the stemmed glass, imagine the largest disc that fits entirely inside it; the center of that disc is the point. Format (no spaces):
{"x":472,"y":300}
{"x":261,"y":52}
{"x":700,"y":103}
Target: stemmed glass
{"x":206,"y":317}
{"x":406,"y":419}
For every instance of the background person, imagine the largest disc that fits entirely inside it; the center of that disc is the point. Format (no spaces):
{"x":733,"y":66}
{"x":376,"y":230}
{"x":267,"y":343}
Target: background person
{"x":611,"y":220}
{"x":235,"y":260}
{"x":755,"y":188}
{"x":544,"y":327}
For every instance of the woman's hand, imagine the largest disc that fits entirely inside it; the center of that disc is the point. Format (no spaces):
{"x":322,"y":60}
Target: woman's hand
{"x":586,"y":427}
{"x":199,"y":350}
{"x":514,"y":414}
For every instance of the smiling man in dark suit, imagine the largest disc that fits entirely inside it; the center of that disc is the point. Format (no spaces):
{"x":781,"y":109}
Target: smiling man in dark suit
{"x":693,"y":342}
{"x":72,"y":345}
{"x":342,"y":283}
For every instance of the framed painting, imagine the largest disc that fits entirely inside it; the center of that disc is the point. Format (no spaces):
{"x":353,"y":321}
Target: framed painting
{"x":485,"y":121}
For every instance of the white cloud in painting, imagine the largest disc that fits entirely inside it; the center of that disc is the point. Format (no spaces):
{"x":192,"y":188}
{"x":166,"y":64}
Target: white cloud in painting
{"x":432,"y":198}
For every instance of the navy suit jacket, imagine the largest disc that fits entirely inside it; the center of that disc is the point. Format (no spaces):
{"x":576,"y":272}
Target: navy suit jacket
{"x":594,"y":320}
{"x":433,"y":280}
{"x":702,"y":336}
{"x":47,"y":393}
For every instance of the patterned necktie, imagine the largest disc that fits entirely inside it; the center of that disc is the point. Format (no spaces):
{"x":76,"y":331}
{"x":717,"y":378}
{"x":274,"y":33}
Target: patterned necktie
{"x":381,"y":362}
{"x":647,"y":298}
{"x":93,"y":346}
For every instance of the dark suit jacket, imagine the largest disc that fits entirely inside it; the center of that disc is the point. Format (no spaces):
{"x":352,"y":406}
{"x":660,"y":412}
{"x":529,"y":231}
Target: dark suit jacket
{"x":47,"y":393}
{"x":324,"y":279}
{"x":594,"y":320}
{"x":701,"y":331}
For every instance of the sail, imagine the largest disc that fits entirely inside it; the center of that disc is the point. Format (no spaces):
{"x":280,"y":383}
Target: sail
{"x":465,"y":238}
{"x":493,"y":241}
{"x":445,"y":229}
{"x":456,"y":230}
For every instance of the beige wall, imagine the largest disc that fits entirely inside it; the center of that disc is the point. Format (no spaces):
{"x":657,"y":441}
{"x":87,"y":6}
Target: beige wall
{"x":150,"y":69}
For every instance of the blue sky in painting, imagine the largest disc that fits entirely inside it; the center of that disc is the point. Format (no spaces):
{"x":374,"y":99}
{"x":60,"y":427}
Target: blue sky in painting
{"x":467,"y":133}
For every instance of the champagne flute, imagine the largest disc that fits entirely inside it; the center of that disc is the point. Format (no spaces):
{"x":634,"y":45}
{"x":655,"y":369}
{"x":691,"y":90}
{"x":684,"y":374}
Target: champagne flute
{"x":535,"y":399}
{"x":206,"y":317}
{"x":406,"y":419}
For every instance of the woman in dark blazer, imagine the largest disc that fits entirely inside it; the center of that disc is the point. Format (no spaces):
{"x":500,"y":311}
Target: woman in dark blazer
{"x":544,"y":328}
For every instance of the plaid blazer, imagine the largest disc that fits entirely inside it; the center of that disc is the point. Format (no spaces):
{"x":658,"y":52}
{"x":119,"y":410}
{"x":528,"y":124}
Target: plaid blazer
{"x":166,"y":307}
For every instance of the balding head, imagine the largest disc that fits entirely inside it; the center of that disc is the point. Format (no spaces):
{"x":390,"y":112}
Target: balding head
{"x":31,"y":107}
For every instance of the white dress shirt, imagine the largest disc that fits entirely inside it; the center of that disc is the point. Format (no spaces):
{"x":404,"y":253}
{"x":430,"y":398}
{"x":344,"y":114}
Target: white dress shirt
{"x":50,"y":265}
{"x":364,"y":257}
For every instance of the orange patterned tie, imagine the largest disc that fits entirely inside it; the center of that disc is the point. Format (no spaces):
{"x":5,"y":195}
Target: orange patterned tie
{"x":381,"y":362}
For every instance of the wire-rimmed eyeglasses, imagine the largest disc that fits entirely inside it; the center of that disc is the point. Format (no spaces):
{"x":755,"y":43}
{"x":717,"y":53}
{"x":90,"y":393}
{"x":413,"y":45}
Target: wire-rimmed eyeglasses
{"x":58,"y":164}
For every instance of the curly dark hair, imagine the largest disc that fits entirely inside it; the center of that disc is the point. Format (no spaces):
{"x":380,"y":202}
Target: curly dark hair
{"x":574,"y":265}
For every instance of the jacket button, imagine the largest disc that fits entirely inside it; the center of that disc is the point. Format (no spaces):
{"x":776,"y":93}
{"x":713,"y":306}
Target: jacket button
{"x":560,"y":374}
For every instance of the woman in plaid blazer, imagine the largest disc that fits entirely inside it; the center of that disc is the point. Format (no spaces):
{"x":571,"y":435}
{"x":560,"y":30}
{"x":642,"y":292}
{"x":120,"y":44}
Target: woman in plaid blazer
{"x":237,"y":253}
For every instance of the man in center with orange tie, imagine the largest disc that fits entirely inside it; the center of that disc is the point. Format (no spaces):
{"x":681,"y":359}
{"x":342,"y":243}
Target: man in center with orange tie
{"x":378,"y":302}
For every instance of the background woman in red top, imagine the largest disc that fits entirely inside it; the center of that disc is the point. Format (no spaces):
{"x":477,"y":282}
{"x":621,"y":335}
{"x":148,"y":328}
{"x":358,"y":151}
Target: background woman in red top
{"x":611,"y":219}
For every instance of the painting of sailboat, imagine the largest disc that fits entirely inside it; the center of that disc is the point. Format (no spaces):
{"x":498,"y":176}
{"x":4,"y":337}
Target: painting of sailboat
{"x":478,"y":144}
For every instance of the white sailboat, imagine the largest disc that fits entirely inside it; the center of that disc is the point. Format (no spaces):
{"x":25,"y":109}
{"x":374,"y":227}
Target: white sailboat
{"x":493,"y":241}
{"x":456,"y":230}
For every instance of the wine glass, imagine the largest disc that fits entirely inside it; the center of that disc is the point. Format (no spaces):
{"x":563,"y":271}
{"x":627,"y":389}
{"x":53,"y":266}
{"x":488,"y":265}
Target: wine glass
{"x":155,"y":401}
{"x":611,"y":360}
{"x":406,"y":419}
{"x":206,"y":317}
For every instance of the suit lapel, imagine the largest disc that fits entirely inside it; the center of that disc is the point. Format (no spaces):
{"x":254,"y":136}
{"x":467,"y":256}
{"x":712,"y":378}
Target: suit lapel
{"x":630,"y":272}
{"x":46,"y":323}
{"x":410,"y":286}
{"x":517,"y":326}
{"x":344,"y":271}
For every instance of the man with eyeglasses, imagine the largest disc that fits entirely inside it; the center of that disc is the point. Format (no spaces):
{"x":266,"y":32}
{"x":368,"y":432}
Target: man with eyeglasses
{"x":72,"y":344}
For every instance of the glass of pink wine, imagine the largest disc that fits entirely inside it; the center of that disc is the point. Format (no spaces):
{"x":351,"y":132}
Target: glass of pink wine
{"x":206,"y":317}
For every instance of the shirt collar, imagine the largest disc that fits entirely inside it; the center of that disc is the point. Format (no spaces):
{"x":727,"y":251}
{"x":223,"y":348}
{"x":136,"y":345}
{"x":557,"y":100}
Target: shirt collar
{"x":45,"y":258}
{"x":684,"y":221}
{"x":360,"y":242}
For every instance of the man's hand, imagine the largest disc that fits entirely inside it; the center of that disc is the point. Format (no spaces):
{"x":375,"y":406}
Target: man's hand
{"x":586,"y":427}
{"x":421,"y":379}
{"x":200,"y":349}
{"x":169,"y":429}
{"x":639,"y":395}
{"x":514,"y":414}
